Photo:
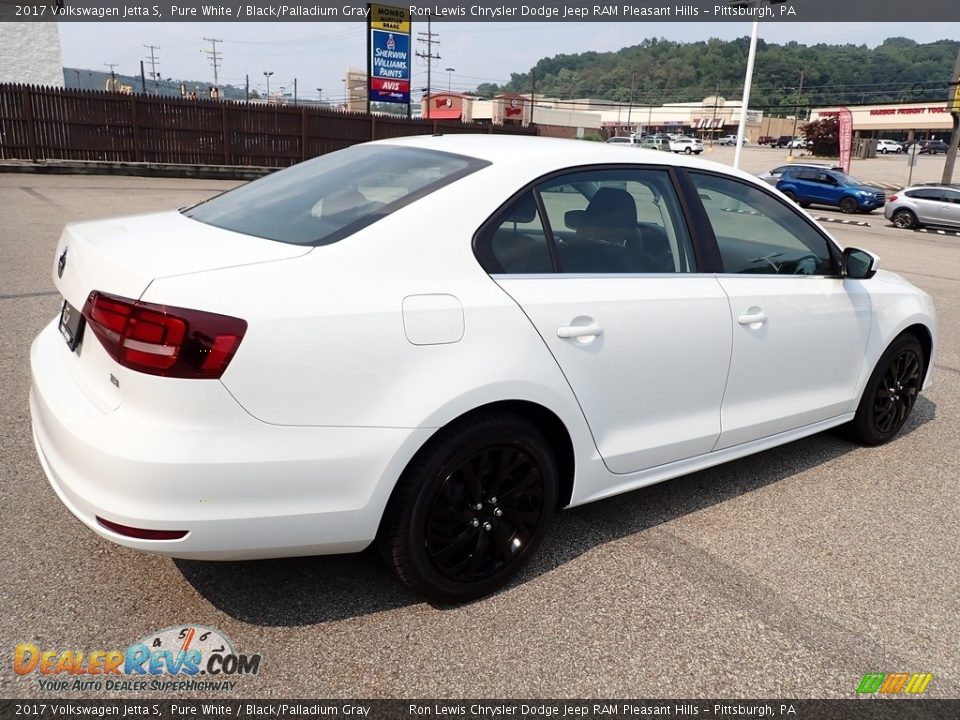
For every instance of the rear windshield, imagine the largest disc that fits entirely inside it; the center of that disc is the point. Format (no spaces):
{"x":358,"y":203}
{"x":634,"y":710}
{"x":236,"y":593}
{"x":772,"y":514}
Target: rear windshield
{"x":330,"y":197}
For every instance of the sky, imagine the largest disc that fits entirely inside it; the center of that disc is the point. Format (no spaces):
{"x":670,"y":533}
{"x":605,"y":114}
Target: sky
{"x":318,"y":54}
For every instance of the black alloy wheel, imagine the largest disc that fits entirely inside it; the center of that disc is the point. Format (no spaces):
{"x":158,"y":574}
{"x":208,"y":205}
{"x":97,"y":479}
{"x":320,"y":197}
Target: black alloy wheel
{"x":471,"y":508}
{"x":891,"y":392}
{"x":791,"y":195}
{"x":848,"y":205}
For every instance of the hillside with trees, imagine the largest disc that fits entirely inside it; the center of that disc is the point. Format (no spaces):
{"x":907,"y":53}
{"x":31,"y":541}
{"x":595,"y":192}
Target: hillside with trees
{"x":658,"y":71}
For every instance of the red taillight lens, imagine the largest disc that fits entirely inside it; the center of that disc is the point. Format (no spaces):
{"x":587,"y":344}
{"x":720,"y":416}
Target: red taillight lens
{"x":892,"y":198}
{"x":141,"y":533}
{"x":163,"y":340}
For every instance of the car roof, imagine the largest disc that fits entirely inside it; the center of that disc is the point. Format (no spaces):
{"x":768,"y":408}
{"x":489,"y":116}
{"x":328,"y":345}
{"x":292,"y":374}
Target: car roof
{"x":542,"y":155}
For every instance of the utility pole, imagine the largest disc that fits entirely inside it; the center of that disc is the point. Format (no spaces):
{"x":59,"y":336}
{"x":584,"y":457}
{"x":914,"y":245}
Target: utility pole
{"x":215,"y":58}
{"x":267,"y":75}
{"x":319,"y":95}
{"x":713,"y":123}
{"x":153,"y":67}
{"x":533,"y":92}
{"x":633,"y":87}
{"x":954,"y":104}
{"x":246,"y":88}
{"x":113,"y":76}
{"x":428,"y":39}
{"x":294,"y":91}
{"x":143,"y":80}
{"x":796,"y":116}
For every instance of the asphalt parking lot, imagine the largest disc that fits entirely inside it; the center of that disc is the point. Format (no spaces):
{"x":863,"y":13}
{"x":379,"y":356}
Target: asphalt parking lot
{"x":791,"y":573}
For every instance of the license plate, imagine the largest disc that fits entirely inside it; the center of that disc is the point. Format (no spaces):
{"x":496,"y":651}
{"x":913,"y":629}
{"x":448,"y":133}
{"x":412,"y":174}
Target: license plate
{"x":71,"y":325}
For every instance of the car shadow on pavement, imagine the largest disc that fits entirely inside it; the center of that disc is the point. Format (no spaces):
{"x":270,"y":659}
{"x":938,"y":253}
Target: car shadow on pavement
{"x":310,"y":590}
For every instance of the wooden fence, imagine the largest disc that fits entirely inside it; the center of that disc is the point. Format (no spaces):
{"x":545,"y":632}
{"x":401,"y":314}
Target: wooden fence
{"x":43,"y":123}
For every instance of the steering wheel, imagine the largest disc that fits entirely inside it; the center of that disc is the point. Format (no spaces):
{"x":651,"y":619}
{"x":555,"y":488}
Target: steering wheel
{"x":769,"y":260}
{"x":806,"y":265}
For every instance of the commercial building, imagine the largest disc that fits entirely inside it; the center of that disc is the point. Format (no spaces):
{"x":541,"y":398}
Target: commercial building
{"x":899,"y":121}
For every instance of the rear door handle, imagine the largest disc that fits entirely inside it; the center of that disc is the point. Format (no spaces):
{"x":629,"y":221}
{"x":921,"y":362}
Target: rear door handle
{"x":579,"y":331}
{"x":752,"y":318}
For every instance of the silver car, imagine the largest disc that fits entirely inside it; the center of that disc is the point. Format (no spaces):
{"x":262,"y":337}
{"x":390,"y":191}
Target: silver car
{"x":919,"y":205}
{"x":772,"y":177}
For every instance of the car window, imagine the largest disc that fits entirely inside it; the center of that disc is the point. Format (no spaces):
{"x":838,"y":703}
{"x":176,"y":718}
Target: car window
{"x":617,"y":221}
{"x":926,"y":194}
{"x":952,"y":196}
{"x":515,"y":241}
{"x":780,"y":170}
{"x":759,"y":234}
{"x":330,"y":197}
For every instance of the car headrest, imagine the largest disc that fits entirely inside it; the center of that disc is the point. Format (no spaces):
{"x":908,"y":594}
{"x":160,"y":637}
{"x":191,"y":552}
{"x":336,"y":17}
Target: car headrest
{"x":610,"y":216}
{"x":523,"y":210}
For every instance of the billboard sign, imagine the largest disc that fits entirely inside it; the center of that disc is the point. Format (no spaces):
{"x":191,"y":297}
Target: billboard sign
{"x":846,"y":138}
{"x":389,"y":54}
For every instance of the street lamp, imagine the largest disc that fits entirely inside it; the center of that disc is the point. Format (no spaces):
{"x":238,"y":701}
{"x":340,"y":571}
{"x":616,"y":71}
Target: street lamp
{"x":319,"y":95}
{"x":450,"y":72}
{"x":267,"y":76}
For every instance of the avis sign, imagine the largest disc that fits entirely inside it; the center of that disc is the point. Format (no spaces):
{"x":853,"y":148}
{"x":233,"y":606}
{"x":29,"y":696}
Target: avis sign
{"x":388,"y":63}
{"x":846,"y":138}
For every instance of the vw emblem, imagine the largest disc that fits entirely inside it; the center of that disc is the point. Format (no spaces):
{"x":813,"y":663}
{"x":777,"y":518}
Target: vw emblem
{"x":62,"y":263}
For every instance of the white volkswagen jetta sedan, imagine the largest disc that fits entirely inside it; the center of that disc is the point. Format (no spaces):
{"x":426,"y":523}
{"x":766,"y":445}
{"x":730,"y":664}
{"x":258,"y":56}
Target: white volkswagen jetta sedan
{"x":433,"y":343}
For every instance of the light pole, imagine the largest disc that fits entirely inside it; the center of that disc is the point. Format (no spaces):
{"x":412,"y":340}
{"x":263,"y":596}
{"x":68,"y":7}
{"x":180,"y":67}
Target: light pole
{"x":450,"y":72}
{"x":319,"y":95}
{"x":267,"y":76}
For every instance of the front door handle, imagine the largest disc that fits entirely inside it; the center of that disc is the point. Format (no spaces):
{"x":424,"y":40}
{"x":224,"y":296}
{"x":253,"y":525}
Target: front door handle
{"x":579,"y":331}
{"x":757,"y":318}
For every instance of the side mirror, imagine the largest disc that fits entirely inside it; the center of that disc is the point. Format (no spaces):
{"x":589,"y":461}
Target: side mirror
{"x":858,"y":264}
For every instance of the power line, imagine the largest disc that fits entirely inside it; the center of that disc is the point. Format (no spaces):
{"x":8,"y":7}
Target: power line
{"x":427,"y":38}
{"x":215,"y":58}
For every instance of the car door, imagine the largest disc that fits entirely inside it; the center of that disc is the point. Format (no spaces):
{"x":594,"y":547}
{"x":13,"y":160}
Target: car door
{"x":643,"y":339}
{"x":951,"y":208}
{"x":799,"y":330}
{"x":929,"y":204}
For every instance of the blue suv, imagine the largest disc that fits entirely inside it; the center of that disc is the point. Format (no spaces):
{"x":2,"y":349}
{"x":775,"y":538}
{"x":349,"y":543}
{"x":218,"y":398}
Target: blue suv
{"x":811,"y":186}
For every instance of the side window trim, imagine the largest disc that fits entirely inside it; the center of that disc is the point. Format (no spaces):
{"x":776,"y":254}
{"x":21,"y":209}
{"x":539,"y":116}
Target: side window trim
{"x":547,"y":230}
{"x":832,"y":248}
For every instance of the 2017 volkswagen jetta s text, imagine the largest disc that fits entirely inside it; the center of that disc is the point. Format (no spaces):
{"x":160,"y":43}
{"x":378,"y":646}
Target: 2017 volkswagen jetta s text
{"x":434,"y":343}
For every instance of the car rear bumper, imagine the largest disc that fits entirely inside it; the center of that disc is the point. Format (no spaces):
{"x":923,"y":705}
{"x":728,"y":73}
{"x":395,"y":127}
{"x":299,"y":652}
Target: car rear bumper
{"x":240,"y":488}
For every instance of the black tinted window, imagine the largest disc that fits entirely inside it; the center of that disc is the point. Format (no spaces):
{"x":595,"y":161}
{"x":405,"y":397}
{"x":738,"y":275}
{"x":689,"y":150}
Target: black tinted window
{"x":925,"y":194}
{"x":617,"y":221}
{"x":330,"y":197}
{"x":515,"y":242}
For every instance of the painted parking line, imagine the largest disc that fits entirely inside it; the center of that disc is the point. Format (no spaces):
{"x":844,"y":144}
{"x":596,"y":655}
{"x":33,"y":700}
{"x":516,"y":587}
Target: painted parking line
{"x":823,"y":218}
{"x":938,"y":232}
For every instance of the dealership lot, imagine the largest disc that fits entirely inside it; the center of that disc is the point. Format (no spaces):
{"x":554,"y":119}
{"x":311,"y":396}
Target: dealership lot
{"x":790,"y":573}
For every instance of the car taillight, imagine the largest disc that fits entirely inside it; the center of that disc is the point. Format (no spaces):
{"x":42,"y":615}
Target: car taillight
{"x":892,"y":198}
{"x":164,"y":340}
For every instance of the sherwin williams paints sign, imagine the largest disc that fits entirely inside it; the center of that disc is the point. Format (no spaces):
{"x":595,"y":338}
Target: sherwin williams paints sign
{"x":389,"y":54}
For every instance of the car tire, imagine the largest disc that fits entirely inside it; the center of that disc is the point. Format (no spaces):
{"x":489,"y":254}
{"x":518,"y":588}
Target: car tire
{"x":849,"y":205}
{"x":687,"y":151}
{"x":883,"y":151}
{"x":445,"y":533}
{"x":804,"y":204}
{"x":890,"y":393}
{"x":791,"y":195}
{"x":904,"y":219}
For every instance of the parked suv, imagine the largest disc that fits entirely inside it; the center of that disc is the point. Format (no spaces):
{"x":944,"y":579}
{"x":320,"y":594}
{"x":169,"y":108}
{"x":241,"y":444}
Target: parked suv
{"x":686,"y":145}
{"x":766,"y":140}
{"x":784,"y":141}
{"x":924,"y":205}
{"x":655,"y":142}
{"x":772,"y":177}
{"x":810,"y":186}
{"x":884,"y":146}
